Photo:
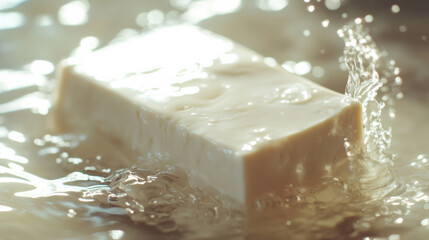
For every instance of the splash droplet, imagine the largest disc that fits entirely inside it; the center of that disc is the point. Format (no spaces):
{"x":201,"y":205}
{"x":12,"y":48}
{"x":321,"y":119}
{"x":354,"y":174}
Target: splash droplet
{"x":306,"y":33}
{"x":42,"y":67}
{"x":9,"y":20}
{"x":74,"y":13}
{"x":425,"y":222}
{"x":369,"y":18}
{"x":311,"y":8}
{"x":302,"y":68}
{"x":398,"y":221}
{"x":318,"y":72}
{"x":395,"y":8}
{"x":333,"y":4}
{"x":325,"y":23}
{"x":155,"y":17}
{"x":272,"y":5}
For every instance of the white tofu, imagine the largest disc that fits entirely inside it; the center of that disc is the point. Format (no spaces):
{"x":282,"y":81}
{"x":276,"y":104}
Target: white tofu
{"x":246,"y":126}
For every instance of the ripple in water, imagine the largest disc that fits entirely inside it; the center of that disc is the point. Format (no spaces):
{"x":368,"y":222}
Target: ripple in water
{"x":167,"y":200}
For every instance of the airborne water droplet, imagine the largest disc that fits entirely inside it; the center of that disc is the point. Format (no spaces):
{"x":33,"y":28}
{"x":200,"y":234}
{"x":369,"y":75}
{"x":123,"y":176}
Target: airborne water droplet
{"x":325,"y":23}
{"x":395,"y":8}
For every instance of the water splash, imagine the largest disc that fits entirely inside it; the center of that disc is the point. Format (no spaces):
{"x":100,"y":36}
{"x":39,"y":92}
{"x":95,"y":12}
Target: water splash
{"x":168,"y":201}
{"x":370,"y":71}
{"x":363,"y":182}
{"x":167,"y":198}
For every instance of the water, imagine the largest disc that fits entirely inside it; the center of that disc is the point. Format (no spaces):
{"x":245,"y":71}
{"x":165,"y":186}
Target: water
{"x":62,"y":184}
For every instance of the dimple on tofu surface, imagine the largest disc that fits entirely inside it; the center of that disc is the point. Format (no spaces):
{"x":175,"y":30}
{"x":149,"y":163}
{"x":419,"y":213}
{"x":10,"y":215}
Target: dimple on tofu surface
{"x":244,"y":124}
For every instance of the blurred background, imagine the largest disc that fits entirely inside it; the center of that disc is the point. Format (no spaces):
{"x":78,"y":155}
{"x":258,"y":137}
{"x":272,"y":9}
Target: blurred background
{"x":301,"y":34}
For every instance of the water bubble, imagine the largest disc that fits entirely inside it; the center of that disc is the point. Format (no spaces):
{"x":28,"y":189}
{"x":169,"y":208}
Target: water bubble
{"x":318,"y":71}
{"x":270,"y":61}
{"x":425,"y":222}
{"x":16,"y":136}
{"x":172,"y":16}
{"x":302,"y":68}
{"x":369,"y":18}
{"x":396,"y":70}
{"x":344,"y":15}
{"x":288,"y":65}
{"x":394,"y":237}
{"x":398,"y":220}
{"x":89,"y":42}
{"x":311,"y":8}
{"x":10,"y":20}
{"x":74,"y":13}
{"x":325,"y":23}
{"x":44,"y":20}
{"x":141,"y":19}
{"x":402,"y":28}
{"x":42,"y":67}
{"x":395,"y":8}
{"x":398,"y":80}
{"x":306,"y":32}
{"x":155,"y":17}
{"x":343,"y":66}
{"x":272,"y":5}
{"x":180,"y":3}
{"x":39,"y":142}
{"x":333,"y":4}
{"x":424,"y":37}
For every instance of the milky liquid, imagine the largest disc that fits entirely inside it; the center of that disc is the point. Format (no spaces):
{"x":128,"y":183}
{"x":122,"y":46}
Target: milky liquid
{"x":72,"y":185}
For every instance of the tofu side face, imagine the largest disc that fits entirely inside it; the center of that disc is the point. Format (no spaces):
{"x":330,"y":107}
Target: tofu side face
{"x":201,"y":101}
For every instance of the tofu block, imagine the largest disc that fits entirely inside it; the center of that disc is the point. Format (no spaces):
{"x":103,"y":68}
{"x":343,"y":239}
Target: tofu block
{"x":199,"y":100}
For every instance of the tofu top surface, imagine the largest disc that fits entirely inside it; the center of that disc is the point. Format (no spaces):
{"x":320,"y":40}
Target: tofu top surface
{"x":211,"y":86}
